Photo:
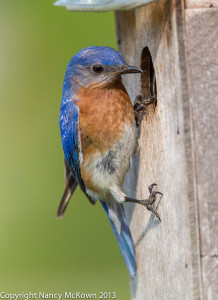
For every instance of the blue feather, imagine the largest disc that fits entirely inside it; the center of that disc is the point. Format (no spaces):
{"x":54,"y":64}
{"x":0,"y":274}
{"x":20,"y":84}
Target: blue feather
{"x":69,"y":118}
{"x":122,"y":233}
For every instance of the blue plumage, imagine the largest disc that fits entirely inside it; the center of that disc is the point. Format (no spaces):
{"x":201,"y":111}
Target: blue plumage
{"x":69,"y":118}
{"x":123,"y":235}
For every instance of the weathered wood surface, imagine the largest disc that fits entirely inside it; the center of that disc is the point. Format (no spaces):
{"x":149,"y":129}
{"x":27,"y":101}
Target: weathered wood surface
{"x":202,"y":57}
{"x":201,"y":3}
{"x":176,"y":259}
{"x":210,"y":277}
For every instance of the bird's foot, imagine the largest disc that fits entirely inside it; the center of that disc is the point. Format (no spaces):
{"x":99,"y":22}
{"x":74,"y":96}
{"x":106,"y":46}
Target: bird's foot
{"x":149,"y":203}
{"x":140,"y":107}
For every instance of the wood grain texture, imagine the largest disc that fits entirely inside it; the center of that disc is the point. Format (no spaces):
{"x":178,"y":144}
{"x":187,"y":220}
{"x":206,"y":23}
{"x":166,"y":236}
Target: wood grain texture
{"x":201,"y":3}
{"x":167,"y":253}
{"x":178,"y":150}
{"x":202,"y":50}
{"x":210,"y":277}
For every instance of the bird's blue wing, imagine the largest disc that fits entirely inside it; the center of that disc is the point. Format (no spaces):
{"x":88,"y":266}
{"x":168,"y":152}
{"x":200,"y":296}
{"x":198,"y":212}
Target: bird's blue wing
{"x":118,"y":220}
{"x":70,"y":136}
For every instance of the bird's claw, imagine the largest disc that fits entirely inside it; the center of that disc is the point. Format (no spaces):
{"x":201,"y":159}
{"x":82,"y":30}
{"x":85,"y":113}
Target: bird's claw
{"x":149,"y":203}
{"x":140,"y":107}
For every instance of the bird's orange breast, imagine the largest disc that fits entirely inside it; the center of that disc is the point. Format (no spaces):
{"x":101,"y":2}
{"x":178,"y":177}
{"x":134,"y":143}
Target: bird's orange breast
{"x":103,"y":113}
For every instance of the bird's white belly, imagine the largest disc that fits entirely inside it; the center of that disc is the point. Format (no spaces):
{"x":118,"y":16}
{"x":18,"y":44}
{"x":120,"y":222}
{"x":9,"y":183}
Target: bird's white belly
{"x":108,"y":169}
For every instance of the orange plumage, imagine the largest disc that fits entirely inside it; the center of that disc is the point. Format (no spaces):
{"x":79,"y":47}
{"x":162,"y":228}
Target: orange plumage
{"x":104,"y":111}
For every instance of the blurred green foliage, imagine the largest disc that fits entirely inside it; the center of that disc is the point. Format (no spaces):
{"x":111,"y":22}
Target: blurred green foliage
{"x":39,"y":252}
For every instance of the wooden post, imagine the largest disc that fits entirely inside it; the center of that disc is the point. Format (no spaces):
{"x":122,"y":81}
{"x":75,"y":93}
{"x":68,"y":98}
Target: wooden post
{"x":177,"y":258}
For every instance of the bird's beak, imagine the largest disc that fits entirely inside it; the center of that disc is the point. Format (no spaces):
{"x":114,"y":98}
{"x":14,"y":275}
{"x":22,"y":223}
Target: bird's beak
{"x":127,"y":69}
{"x":130,"y":69}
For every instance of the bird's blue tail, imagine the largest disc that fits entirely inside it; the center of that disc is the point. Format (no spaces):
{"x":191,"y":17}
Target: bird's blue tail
{"x":118,"y":220}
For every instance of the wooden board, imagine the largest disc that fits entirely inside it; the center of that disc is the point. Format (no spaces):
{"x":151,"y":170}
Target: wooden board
{"x":202,"y":54}
{"x":171,"y":154}
{"x":201,"y":3}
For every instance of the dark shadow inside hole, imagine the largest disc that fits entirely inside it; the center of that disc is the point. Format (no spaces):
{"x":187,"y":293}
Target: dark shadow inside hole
{"x":148,"y":78}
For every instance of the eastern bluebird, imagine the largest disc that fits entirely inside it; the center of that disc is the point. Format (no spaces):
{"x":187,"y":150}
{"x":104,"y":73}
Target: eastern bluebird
{"x":98,"y":132}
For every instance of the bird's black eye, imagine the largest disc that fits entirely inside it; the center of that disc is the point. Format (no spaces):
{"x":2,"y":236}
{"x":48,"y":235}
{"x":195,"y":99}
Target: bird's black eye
{"x":98,"y":69}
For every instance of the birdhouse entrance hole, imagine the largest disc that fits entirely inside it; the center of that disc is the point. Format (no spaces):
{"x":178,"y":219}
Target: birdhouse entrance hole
{"x":148,"y":79}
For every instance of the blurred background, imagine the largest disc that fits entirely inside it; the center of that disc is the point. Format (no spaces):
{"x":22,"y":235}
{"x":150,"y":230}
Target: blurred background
{"x":37,"y":251}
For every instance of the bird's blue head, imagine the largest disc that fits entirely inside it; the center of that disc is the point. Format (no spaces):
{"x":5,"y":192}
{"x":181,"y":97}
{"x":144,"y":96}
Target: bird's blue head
{"x":95,"y":65}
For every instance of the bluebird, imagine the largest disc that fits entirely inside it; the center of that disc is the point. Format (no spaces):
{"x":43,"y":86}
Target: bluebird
{"x":98,"y":132}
